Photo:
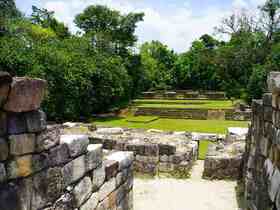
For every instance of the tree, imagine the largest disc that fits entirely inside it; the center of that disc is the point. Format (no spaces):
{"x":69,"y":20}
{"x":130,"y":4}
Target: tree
{"x":109,"y":29}
{"x":8,"y":11}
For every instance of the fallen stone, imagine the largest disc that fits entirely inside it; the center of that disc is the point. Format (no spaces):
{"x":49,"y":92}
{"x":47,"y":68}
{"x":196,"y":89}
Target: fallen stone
{"x":107,"y":188}
{"x":125,"y":159}
{"x":48,"y":138}
{"x":77,"y":144}
{"x":98,"y":178}
{"x":91,"y":203}
{"x":22,"y":144}
{"x":16,"y":124}
{"x":82,"y":191}
{"x":4,"y":149}
{"x":110,"y":131}
{"x":36,"y":121}
{"x":94,"y":156}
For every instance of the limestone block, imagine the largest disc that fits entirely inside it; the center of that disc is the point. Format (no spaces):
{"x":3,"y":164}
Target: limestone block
{"x":164,"y":158}
{"x":3,"y":173}
{"x":36,"y":121}
{"x":91,"y":203}
{"x":125,"y":159}
{"x":267,"y":99}
{"x":147,"y":159}
{"x":77,"y":144}
{"x":22,"y":144}
{"x":59,"y":155}
{"x":166,"y":167}
{"x":4,"y":149}
{"x":122,"y":176}
{"x":48,"y":138}
{"x":16,"y":124}
{"x":107,"y":188}
{"x":98,"y":178}
{"x":152,"y":150}
{"x":65,"y":202}
{"x":94,"y":156}
{"x":165,"y":149}
{"x":111,"y":168}
{"x":5,"y":81}
{"x":20,"y":167}
{"x":82,"y":191}
{"x":110,"y":131}
{"x":274,"y":185}
{"x":120,"y":194}
{"x":273,"y":82}
{"x":3,"y":123}
{"x":143,"y":167}
{"x":39,"y":162}
{"x":9,"y":199}
{"x":25,"y":95}
{"x":74,"y":170}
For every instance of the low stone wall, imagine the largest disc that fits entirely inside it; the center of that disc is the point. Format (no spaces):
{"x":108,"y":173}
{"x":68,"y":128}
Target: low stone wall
{"x":261,"y":168}
{"x":195,"y":114}
{"x":224,"y":163}
{"x":154,"y":152}
{"x":184,"y":94}
{"x":41,"y":170}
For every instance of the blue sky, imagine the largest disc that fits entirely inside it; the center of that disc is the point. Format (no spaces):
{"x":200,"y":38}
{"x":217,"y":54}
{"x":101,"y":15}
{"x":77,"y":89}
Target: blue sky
{"x":176,"y":23}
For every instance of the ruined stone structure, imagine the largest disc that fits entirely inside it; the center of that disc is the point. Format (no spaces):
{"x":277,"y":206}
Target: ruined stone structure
{"x":262,"y":157}
{"x":42,"y":170}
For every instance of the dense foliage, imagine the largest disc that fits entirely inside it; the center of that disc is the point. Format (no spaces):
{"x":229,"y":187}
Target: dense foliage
{"x":98,"y":69}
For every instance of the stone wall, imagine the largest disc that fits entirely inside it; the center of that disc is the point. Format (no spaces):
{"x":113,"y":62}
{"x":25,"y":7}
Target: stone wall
{"x":262,"y":157}
{"x":42,"y":170}
{"x":154,"y":153}
{"x":183,"y":94}
{"x":195,"y":114}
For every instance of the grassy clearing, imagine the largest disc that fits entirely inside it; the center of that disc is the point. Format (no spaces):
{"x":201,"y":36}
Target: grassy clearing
{"x":203,"y":148}
{"x":206,"y":126}
{"x":199,"y":104}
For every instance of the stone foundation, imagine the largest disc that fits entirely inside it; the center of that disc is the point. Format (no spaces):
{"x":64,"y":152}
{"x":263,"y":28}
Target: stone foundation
{"x":261,"y":168}
{"x":154,"y":152}
{"x":41,"y":170}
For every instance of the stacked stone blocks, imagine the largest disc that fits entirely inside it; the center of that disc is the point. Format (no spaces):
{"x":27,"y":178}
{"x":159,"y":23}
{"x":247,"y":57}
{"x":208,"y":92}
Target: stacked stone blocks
{"x":42,"y":170}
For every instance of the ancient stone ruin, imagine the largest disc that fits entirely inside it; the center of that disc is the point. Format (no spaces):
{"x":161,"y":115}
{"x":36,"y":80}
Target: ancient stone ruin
{"x":262,"y":157}
{"x":43,"y":170}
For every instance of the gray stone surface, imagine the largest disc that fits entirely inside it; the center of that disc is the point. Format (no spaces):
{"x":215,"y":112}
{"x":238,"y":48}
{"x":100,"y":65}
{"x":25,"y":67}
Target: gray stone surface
{"x":20,"y":167}
{"x":59,"y":155}
{"x":77,"y":144}
{"x":82,"y":191}
{"x":74,"y":170}
{"x":16,"y":124}
{"x":4,"y":149}
{"x":273,"y":82}
{"x":48,"y":138}
{"x":36,"y":121}
{"x":111,"y":168}
{"x":94,"y":156}
{"x":22,"y":144}
{"x":124,"y":159}
{"x":25,"y":95}
{"x":107,"y":188}
{"x":274,"y":186}
{"x":91,"y":203}
{"x":98,"y":177}
{"x":65,"y":202}
{"x":3,"y":173}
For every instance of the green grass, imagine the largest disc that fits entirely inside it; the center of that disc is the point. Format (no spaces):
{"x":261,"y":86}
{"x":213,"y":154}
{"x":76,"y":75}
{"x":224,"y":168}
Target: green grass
{"x":198,"y":104}
{"x":203,"y":148}
{"x":207,"y":126}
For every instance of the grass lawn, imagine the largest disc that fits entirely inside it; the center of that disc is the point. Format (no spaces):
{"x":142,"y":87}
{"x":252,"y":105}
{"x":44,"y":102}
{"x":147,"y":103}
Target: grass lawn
{"x":199,"y":104}
{"x":206,"y":126}
{"x":203,"y":148}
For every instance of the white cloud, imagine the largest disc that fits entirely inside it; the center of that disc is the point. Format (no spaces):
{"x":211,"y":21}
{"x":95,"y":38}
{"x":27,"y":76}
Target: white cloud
{"x":177,"y":28}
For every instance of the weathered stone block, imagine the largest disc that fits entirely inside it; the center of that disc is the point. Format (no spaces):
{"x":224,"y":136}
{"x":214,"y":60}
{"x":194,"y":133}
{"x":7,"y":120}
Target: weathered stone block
{"x":107,"y":188}
{"x":152,"y":150}
{"x":74,"y":170}
{"x":98,"y":177}
{"x":3,"y":173}
{"x":36,"y":121}
{"x":25,"y":95}
{"x":16,"y":124}
{"x":48,"y":138}
{"x":4,"y":149}
{"x":59,"y":155}
{"x":274,"y":185}
{"x":125,"y":159}
{"x":111,"y":168}
{"x":77,"y":144}
{"x":22,"y":144}
{"x":9,"y":199}
{"x":267,"y":99}
{"x":94,"y":156}
{"x":165,"y":149}
{"x":273,"y":82}
{"x":166,"y":167}
{"x":40,"y":161}
{"x":82,"y":191}
{"x":65,"y":202}
{"x":3,"y":123}
{"x":20,"y":167}
{"x":91,"y":203}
